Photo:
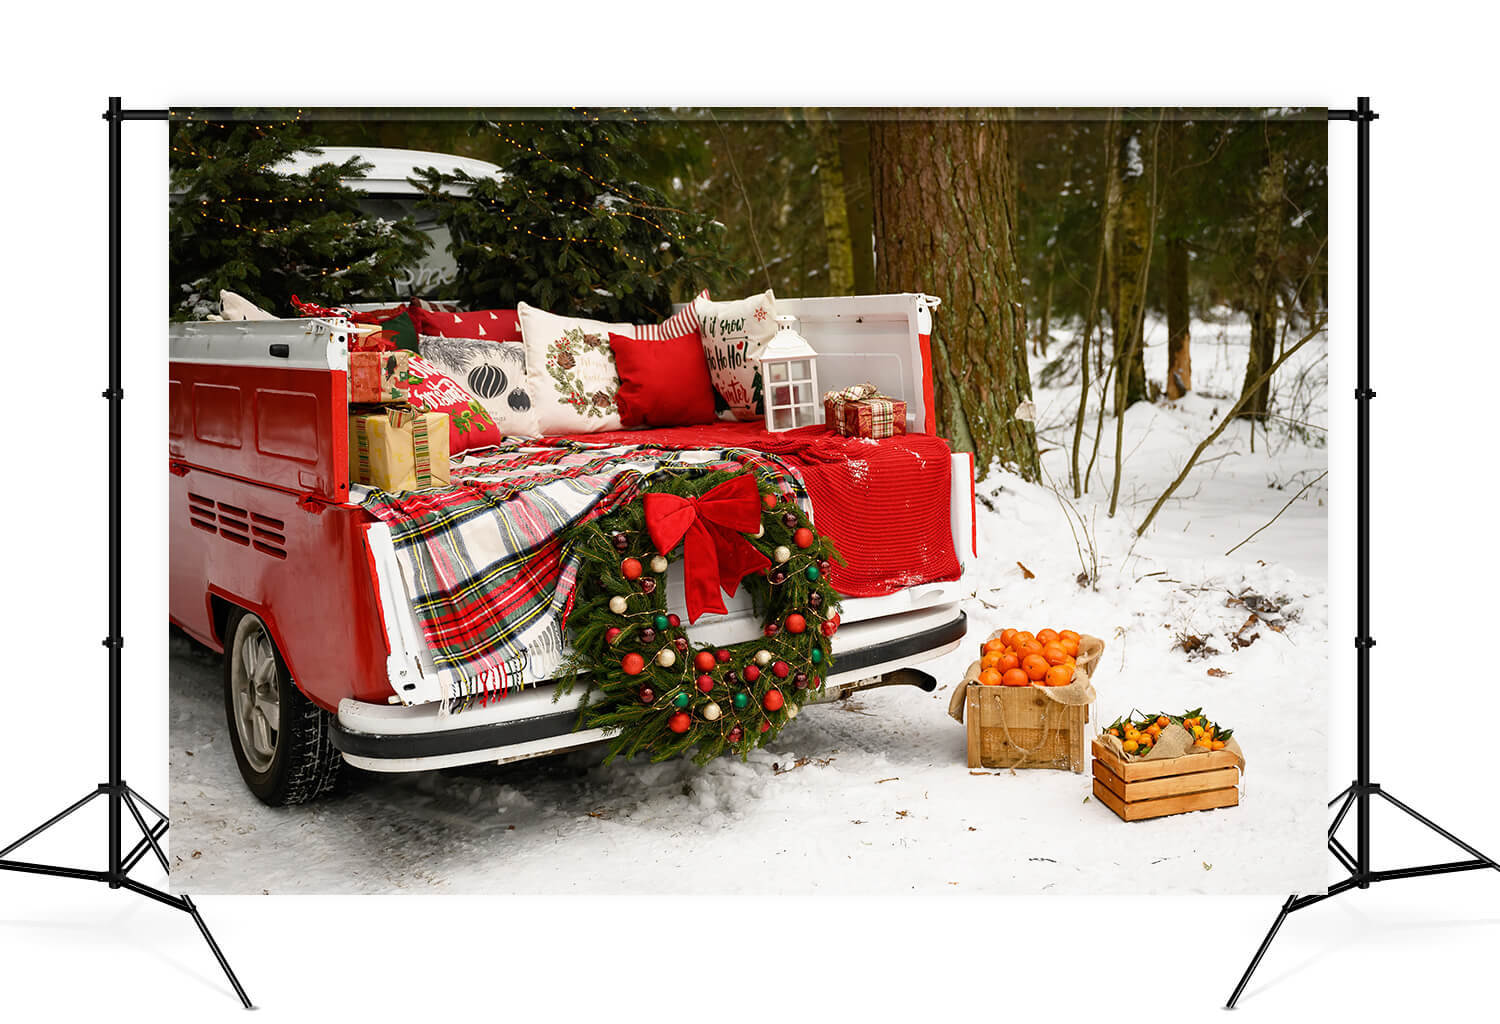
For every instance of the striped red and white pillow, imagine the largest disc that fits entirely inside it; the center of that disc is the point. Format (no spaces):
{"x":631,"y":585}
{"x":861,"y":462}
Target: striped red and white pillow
{"x":684,"y":321}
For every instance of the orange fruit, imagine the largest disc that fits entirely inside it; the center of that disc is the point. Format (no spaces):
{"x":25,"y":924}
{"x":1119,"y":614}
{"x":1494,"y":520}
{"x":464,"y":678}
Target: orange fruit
{"x":1155,"y":731}
{"x":1163,"y":721}
{"x":1131,"y":746}
{"x":1028,"y":647}
{"x":991,"y":660}
{"x":993,"y":645}
{"x":1047,"y":636}
{"x":1218,"y":744}
{"x":1068,"y":644}
{"x":1016,"y":677}
{"x":1054,"y":654}
{"x":989,"y":677}
{"x":1068,"y":634}
{"x":1024,"y":634}
{"x":1059,"y":675}
{"x":1008,"y":661}
{"x":1035,"y":666}
{"x":1007,"y":637}
{"x":1115,"y":733}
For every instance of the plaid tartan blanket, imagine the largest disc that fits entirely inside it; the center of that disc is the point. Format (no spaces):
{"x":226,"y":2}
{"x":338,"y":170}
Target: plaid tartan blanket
{"x":488,"y":565}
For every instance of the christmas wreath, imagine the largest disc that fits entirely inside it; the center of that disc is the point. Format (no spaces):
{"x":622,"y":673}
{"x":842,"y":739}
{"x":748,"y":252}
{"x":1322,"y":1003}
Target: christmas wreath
{"x":661,"y":691}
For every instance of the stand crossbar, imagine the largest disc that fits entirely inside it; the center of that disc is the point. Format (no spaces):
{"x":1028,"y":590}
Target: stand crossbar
{"x":1358,"y":795}
{"x":121,"y":797}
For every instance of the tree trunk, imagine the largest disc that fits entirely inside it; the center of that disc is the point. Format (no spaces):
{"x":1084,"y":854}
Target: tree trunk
{"x":1179,"y":354}
{"x":944,"y":223}
{"x":825,"y":137}
{"x":1268,"y":217}
{"x":854,"y":146}
{"x":1044,"y":329}
{"x":1127,"y":278}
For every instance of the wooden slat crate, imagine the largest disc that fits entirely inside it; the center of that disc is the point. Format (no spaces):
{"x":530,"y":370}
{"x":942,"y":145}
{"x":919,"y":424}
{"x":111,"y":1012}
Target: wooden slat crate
{"x":1137,"y":790}
{"x":1002,"y":719}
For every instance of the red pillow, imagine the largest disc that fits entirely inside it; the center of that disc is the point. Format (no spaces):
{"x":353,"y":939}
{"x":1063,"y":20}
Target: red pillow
{"x":432,"y":390}
{"x":663,"y":383}
{"x":488,"y":324}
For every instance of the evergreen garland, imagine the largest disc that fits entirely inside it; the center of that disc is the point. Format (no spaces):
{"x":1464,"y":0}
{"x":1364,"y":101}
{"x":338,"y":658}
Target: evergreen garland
{"x":603,"y":639}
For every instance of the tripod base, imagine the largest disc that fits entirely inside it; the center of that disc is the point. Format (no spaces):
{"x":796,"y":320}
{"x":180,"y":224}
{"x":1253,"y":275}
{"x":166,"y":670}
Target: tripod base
{"x":119,"y":877}
{"x":1363,"y":879}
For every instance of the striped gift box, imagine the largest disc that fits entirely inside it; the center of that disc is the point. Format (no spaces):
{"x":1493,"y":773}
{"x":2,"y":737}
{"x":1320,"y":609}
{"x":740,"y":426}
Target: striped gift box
{"x":399,"y":449}
{"x":862,"y":411}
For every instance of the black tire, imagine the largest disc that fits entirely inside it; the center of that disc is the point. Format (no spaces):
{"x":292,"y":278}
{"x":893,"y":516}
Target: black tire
{"x":294,"y":760}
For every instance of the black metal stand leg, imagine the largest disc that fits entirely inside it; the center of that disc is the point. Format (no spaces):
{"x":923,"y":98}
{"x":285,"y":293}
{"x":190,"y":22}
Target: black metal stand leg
{"x":1488,"y":862}
{"x":239,"y":989}
{"x":28,"y":837}
{"x":1286,"y":908}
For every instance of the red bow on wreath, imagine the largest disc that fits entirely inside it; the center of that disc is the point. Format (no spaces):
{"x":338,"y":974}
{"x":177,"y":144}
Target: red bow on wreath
{"x":714,"y":554}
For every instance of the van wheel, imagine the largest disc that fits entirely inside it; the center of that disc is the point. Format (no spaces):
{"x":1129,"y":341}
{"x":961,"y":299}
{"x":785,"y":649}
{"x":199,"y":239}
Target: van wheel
{"x":280,"y":738}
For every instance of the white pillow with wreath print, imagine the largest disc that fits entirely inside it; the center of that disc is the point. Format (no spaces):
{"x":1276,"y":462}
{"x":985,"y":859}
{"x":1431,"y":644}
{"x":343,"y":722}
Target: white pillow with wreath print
{"x":570,"y":371}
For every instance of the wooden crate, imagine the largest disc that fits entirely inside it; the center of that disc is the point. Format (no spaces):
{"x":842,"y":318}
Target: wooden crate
{"x":1137,"y":790}
{"x":1000,"y":719}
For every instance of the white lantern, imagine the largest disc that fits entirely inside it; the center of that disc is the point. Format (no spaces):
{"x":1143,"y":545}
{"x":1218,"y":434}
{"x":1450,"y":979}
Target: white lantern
{"x":789,"y":379}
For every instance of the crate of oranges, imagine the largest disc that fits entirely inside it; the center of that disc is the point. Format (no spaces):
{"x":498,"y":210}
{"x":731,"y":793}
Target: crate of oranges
{"x":1148,"y":766}
{"x":1025,"y":702}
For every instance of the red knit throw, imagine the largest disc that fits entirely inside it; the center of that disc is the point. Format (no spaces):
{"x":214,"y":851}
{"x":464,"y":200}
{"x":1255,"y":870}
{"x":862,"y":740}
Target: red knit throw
{"x":885,"y":503}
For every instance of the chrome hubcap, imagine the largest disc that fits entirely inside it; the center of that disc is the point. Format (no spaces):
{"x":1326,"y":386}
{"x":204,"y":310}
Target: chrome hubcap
{"x":256,"y":695}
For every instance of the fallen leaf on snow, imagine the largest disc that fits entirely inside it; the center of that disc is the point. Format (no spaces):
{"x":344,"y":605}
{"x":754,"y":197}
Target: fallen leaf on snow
{"x":1025,"y":572}
{"x":1218,"y":673}
{"x":893,"y":778}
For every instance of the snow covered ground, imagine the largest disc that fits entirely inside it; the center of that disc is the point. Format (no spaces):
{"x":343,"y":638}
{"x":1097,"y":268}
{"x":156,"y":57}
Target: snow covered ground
{"x":874,"y":795}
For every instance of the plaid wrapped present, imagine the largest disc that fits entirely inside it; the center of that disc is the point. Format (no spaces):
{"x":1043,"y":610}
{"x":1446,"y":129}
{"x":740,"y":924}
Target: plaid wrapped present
{"x":862,"y":411}
{"x":399,"y":449}
{"x":378,"y":378}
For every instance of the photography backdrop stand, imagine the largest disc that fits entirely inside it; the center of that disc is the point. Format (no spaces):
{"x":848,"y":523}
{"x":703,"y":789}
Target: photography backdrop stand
{"x":120,"y":797}
{"x":1359,"y":792}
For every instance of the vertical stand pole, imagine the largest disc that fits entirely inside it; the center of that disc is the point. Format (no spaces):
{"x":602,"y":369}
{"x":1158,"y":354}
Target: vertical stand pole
{"x":1363,"y":641}
{"x":115,"y":394}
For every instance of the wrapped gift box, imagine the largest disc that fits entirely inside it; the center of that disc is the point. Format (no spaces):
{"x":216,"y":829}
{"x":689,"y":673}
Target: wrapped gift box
{"x":377,"y":378}
{"x":399,"y":449}
{"x":862,"y":411}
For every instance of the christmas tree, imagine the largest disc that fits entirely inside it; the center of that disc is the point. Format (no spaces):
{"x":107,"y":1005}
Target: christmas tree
{"x":568,"y":229}
{"x":240,"y":221}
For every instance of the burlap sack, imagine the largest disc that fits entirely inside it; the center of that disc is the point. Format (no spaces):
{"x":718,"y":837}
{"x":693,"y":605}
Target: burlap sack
{"x":1079,"y":691}
{"x":1175,"y":741}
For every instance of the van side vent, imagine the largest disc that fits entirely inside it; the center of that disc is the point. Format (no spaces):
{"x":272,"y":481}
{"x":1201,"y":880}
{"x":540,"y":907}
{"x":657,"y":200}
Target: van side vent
{"x":265,"y":534}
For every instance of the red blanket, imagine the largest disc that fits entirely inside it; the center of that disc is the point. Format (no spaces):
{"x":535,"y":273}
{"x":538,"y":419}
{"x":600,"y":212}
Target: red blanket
{"x":884,"y":503}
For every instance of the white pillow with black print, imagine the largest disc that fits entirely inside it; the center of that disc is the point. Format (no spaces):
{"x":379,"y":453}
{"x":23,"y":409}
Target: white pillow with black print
{"x":494,"y":371}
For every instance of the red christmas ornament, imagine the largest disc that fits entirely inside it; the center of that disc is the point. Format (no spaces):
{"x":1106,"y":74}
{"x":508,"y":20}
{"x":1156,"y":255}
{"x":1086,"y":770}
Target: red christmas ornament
{"x":780,"y":669}
{"x":631,"y":568}
{"x":831,"y":626}
{"x":768,"y":500}
{"x":647,"y":695}
{"x":796,"y":623}
{"x":816,"y":682}
{"x":705,"y":683}
{"x":722,"y":655}
{"x":680,"y":723}
{"x":773,"y":700}
{"x":705,"y":661}
{"x":772,"y":629}
{"x":736,"y":734}
{"x":611,"y":634}
{"x":633,"y":664}
{"x":673,"y":621}
{"x":751,"y":673}
{"x":681,"y":644}
{"x":765,"y":726}
{"x":803,"y":538}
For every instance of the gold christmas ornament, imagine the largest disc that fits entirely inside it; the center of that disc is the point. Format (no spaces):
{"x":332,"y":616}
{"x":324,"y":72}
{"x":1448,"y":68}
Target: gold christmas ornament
{"x":781,"y":554}
{"x":763,"y":658}
{"x":711,"y":712}
{"x":665,"y":658}
{"x":617,"y":604}
{"x":658,"y":564}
